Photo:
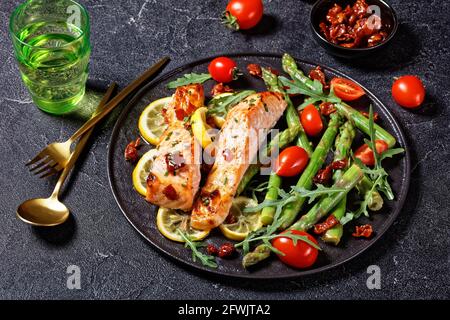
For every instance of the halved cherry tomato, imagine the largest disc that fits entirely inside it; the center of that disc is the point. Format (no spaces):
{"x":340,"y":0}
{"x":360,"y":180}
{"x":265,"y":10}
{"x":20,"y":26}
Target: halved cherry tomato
{"x":245,"y":14}
{"x":365,"y":154}
{"x":302,"y":255}
{"x":408,"y":91}
{"x":346,"y":89}
{"x":291,"y":161}
{"x":311,"y":120}
{"x":223,"y":69}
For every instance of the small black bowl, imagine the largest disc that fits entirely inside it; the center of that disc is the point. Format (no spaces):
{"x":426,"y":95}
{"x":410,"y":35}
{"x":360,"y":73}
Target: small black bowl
{"x":319,"y":12}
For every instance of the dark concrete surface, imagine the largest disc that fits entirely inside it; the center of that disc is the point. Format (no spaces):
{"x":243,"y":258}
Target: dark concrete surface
{"x":115,"y":262}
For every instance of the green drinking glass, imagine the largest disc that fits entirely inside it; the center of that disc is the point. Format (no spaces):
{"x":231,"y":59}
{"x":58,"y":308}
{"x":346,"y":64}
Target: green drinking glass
{"x":51,"y":42}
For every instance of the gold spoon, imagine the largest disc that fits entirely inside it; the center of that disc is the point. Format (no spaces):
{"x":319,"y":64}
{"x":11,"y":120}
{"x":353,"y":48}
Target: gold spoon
{"x":50,"y":211}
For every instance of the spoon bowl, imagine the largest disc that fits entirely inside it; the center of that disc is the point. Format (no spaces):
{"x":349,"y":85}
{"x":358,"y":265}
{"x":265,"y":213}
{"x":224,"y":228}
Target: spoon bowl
{"x":44,"y":212}
{"x":49,"y":212}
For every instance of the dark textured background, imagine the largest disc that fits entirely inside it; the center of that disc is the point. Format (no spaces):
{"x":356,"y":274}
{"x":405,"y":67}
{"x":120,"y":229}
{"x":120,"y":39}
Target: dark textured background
{"x":127,"y":36}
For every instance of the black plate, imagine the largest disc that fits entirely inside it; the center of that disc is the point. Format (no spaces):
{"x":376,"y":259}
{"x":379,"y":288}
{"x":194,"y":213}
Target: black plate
{"x":142,"y":215}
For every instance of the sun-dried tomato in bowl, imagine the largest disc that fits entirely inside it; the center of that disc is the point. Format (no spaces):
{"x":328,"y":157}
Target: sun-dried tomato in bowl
{"x":354,"y":26}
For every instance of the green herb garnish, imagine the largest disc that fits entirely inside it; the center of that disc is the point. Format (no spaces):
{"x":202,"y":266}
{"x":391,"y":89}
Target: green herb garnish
{"x":221,"y":106}
{"x":205,"y":259}
{"x":312,"y":89}
{"x":377,"y":175}
{"x":189,"y":78}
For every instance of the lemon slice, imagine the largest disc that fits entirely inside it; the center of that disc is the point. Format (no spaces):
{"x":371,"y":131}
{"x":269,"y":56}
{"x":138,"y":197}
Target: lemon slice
{"x":218,"y":118}
{"x":200,"y":128}
{"x":151,"y":121}
{"x":245,"y":222}
{"x":169,"y":221}
{"x":141,"y":171}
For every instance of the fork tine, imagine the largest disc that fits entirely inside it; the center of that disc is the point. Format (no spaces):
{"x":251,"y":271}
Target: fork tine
{"x":39,"y":165}
{"x":45,"y":168}
{"x":44,"y":161}
{"x":52,"y":171}
{"x":38,"y":157}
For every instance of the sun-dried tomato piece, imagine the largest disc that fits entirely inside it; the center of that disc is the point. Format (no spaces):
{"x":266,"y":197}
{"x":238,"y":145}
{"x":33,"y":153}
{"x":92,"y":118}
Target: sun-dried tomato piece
{"x":323,"y":176}
{"x":364,"y":231}
{"x":212,"y":250}
{"x":375,"y":39}
{"x":131,"y":153}
{"x":339,"y":164}
{"x":332,"y":13}
{"x":376,"y":116}
{"x":220,"y":88}
{"x":226,"y":250}
{"x":255,"y":70}
{"x":318,"y":74}
{"x":353,"y":26}
{"x":330,"y":222}
{"x":170,"y":192}
{"x":174,"y":161}
{"x":327,"y":108}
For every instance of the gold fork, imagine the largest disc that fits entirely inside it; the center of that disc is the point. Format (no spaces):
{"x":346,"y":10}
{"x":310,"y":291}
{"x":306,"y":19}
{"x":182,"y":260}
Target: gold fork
{"x":48,"y":212}
{"x":56,"y":155}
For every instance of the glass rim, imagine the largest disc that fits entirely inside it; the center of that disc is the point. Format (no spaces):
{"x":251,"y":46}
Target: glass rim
{"x":84,"y":33}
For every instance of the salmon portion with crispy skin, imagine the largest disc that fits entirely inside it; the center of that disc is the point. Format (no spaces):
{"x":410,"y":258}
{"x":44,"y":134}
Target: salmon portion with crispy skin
{"x":174,"y":177}
{"x":237,"y":146}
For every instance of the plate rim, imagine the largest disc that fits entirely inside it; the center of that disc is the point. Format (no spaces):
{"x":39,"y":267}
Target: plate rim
{"x":215,"y":272}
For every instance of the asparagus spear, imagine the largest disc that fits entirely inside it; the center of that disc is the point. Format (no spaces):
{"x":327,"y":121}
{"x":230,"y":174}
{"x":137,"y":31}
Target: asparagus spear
{"x":359,"y":120}
{"x":347,"y":182}
{"x":342,"y":145}
{"x":290,"y":67}
{"x":362,"y":123}
{"x":375,"y":200}
{"x":292,"y":120}
{"x":316,"y":161}
{"x":279,"y":141}
{"x":349,"y":179}
{"x":342,"y":150}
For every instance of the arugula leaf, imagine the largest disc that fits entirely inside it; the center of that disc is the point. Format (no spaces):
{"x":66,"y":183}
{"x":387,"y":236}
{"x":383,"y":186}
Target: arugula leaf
{"x":293,"y":195}
{"x":377,"y":175}
{"x":189,"y":79}
{"x":313,"y":194}
{"x":267,"y":233}
{"x":313,"y":91}
{"x":205,"y":259}
{"x":266,"y":239}
{"x":306,"y":103}
{"x":391,"y":152}
{"x":222,"y":105}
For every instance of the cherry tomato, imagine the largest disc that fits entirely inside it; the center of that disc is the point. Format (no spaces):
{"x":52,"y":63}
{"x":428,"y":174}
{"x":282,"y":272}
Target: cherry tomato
{"x":223,"y":69}
{"x":346,"y":89}
{"x":365,"y":154}
{"x":311,"y":120}
{"x":408,"y":91}
{"x":291,"y":161}
{"x":247,"y":13}
{"x":302,"y":255}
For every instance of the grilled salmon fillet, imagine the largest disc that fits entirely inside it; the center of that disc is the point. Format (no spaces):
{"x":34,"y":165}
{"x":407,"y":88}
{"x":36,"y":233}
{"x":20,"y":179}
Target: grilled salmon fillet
{"x":174,"y":176}
{"x":237,"y":146}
